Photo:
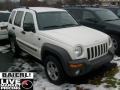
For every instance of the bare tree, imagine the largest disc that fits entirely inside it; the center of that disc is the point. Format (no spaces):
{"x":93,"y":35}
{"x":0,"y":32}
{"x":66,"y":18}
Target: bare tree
{"x":32,"y":3}
{"x":72,"y":2}
{"x":90,"y":2}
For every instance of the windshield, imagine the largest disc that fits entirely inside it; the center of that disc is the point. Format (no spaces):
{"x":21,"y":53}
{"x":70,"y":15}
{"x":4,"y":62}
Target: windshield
{"x":106,"y":15}
{"x":54,"y":20}
{"x":4,"y":17}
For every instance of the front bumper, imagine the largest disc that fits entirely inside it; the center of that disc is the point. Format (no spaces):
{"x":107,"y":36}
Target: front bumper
{"x":88,"y":65}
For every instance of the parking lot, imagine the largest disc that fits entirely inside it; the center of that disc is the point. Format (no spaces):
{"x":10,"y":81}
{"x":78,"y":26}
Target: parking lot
{"x":105,"y":78}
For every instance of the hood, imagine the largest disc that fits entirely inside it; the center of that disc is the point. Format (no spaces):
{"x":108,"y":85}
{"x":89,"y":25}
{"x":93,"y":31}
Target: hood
{"x":80,"y":35}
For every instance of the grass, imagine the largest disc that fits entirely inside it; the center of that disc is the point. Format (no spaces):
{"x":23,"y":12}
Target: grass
{"x":108,"y":78}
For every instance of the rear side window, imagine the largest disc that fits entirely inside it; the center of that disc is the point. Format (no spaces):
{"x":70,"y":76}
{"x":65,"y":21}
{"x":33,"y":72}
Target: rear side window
{"x":11,"y":17}
{"x":18,"y":18}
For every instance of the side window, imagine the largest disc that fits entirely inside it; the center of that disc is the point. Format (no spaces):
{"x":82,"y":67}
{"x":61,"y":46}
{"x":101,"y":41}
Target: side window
{"x":76,"y":14}
{"x":18,"y":18}
{"x":11,"y":17}
{"x":28,"y":23}
{"x":88,"y":16}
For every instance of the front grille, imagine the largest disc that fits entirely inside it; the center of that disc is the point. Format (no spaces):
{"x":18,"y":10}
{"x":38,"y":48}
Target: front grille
{"x":97,"y":51}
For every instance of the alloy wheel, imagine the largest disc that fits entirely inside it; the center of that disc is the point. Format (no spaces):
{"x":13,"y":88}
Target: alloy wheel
{"x":52,"y":70}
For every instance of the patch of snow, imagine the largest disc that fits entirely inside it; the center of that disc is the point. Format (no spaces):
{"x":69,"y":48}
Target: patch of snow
{"x":41,"y":81}
{"x":117,"y":76}
{"x":116,"y":60}
{"x":4,"y":49}
{"x":95,"y":87}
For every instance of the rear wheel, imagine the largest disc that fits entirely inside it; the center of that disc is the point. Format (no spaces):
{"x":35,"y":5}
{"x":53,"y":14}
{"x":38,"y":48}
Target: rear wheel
{"x":54,"y":70}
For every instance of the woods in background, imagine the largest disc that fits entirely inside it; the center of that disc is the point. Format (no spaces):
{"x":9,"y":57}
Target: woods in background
{"x":9,"y":5}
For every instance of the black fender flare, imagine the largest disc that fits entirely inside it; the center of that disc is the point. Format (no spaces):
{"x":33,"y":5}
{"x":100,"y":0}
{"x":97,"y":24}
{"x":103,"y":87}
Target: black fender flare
{"x":61,"y":53}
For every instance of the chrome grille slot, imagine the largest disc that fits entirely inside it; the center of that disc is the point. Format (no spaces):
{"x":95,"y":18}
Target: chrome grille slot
{"x":97,"y":51}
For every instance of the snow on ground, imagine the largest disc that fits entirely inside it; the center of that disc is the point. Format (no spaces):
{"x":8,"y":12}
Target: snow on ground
{"x":41,"y":82}
{"x":26,"y":63}
{"x":117,"y":60}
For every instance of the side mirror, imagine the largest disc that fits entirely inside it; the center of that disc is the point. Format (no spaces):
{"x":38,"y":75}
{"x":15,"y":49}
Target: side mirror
{"x":29,"y":27}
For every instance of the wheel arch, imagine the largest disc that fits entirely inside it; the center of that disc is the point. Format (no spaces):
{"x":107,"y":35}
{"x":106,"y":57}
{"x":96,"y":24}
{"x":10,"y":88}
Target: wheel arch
{"x":56,"y":51}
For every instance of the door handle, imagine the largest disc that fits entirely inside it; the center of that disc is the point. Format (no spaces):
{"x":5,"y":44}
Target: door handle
{"x":39,"y":39}
{"x":23,"y":32}
{"x":13,"y":28}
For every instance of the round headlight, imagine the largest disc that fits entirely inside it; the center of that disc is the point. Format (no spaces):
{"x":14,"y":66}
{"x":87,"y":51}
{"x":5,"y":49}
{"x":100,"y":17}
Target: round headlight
{"x":78,"y":51}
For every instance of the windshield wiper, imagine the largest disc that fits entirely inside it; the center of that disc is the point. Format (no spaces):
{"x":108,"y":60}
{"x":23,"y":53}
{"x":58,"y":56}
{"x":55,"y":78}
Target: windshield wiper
{"x":54,"y":26}
{"x":67,"y":25}
{"x":60,"y":26}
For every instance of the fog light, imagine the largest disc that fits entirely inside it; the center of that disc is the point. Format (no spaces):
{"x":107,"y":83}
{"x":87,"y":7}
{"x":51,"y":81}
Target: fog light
{"x":77,"y":72}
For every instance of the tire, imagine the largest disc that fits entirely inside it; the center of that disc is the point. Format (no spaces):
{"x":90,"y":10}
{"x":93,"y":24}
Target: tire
{"x":53,"y":70}
{"x":116,"y":44}
{"x":14,"y":47}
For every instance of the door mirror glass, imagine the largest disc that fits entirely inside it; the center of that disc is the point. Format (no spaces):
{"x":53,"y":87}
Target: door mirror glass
{"x":29,"y":27}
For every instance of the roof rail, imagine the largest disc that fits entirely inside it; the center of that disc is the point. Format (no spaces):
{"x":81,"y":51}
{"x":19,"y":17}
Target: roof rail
{"x":27,"y":7}
{"x":31,"y":9}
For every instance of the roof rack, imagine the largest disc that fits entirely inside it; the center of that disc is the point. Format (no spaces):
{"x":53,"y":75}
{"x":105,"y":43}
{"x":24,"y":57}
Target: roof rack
{"x":27,"y":7}
{"x":30,"y":9}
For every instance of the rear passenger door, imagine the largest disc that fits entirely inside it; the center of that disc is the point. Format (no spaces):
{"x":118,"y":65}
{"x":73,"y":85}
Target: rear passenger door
{"x":17,"y":26}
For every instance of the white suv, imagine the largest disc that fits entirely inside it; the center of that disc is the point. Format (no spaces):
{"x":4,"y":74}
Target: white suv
{"x":54,"y":37}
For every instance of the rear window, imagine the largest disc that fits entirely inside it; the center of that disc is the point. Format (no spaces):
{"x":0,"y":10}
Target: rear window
{"x":4,"y":17}
{"x":18,"y":18}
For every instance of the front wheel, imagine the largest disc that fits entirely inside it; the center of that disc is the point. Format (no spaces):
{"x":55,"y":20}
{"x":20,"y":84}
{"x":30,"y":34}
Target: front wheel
{"x":54,"y":70}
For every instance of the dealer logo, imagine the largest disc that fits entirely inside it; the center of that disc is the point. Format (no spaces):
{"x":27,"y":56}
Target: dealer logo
{"x":27,"y":84}
{"x":16,"y":81}
{"x":9,"y":84}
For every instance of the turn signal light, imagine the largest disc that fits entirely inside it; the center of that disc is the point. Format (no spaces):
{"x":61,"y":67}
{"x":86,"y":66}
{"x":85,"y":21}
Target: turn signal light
{"x":76,"y":65}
